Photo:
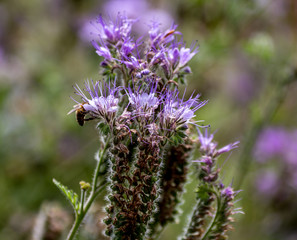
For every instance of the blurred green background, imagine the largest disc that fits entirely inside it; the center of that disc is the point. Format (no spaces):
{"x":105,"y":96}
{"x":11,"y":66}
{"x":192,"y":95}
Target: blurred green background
{"x":247,"y":54}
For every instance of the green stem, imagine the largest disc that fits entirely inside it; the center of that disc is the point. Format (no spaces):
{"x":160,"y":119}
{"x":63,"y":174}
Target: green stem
{"x":82,"y":200}
{"x":214,"y":219}
{"x":80,"y":217}
{"x":94,"y":193}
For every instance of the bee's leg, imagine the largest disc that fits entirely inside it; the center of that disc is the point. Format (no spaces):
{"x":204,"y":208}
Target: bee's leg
{"x":90,"y":118}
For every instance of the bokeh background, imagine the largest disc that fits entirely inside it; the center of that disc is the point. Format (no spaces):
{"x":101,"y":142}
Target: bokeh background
{"x":246,"y":67}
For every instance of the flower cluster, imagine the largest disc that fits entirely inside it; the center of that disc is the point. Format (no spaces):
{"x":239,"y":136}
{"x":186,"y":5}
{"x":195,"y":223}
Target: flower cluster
{"x":147,"y":125}
{"x":139,"y":58}
{"x":210,"y":189}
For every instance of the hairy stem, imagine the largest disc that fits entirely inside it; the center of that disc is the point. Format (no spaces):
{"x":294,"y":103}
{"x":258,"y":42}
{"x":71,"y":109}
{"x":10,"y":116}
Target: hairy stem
{"x":212,"y":224}
{"x":94,"y":193}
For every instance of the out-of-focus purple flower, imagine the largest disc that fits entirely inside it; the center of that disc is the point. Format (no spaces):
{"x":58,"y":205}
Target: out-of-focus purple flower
{"x":138,"y":9}
{"x":132,"y":8}
{"x":86,"y":29}
{"x":158,"y":16}
{"x":177,"y":112}
{"x":271,"y":143}
{"x":267,"y":183}
{"x":290,"y":149}
{"x":102,"y":102}
{"x":240,"y":85}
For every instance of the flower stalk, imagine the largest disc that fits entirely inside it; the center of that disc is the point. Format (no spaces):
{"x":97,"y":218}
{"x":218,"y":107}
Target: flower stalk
{"x":95,"y":190}
{"x":146,"y":126}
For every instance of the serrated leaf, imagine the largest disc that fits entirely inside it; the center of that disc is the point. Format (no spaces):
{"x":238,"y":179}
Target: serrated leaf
{"x":69,"y":194}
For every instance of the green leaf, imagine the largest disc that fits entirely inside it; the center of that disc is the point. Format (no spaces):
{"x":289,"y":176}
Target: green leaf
{"x":104,"y":128}
{"x":203,"y":192}
{"x":69,"y":194}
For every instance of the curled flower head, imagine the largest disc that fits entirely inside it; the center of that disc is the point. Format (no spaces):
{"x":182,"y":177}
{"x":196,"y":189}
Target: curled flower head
{"x":177,"y":112}
{"x":142,"y":102}
{"x":132,"y":63}
{"x":209,"y":147}
{"x":113,"y":32}
{"x":102,"y":103}
{"x":177,"y":57}
{"x":102,"y":50}
{"x":186,"y":54}
{"x":228,"y":192}
{"x":127,"y":47}
{"x":158,"y":38}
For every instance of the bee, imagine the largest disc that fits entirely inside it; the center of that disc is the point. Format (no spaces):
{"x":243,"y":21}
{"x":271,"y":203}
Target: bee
{"x":80,"y":113}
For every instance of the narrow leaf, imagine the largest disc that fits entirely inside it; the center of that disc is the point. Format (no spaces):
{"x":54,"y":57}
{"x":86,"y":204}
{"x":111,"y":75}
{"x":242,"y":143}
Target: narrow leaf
{"x":69,"y":194}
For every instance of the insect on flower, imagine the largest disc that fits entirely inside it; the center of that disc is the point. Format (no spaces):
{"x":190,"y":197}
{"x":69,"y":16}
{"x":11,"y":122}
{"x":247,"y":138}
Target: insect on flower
{"x":80,"y":113}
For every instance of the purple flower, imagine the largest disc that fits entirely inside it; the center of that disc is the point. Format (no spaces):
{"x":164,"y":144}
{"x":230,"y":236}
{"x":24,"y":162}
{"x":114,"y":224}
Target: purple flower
{"x":271,"y":143}
{"x":102,"y":103}
{"x":114,"y":32}
{"x":267,"y":183}
{"x":209,"y":147}
{"x":159,"y":38}
{"x":186,"y":55}
{"x":158,"y":57}
{"x":102,"y":50}
{"x":143,"y":103}
{"x":127,"y":47}
{"x":132,"y":63}
{"x":227,"y":148}
{"x":179,"y":57}
{"x":206,"y":142}
{"x":228,"y":193}
{"x":177,"y":112}
{"x":173,"y":56}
